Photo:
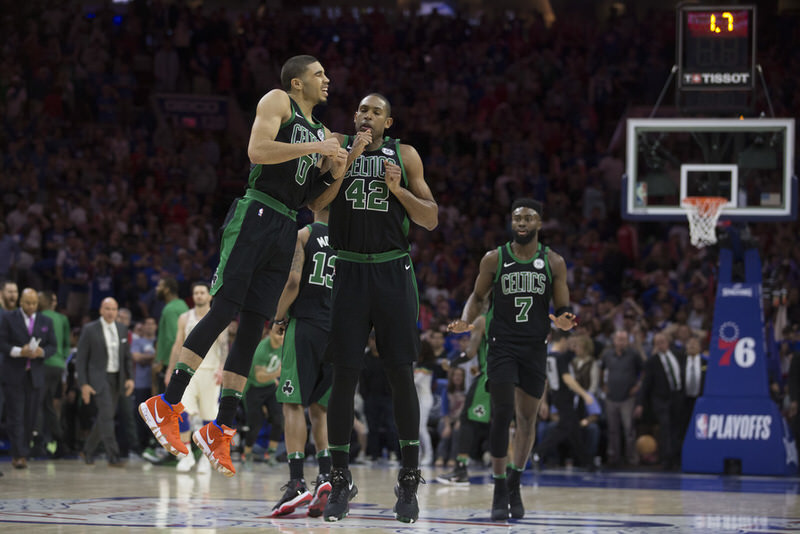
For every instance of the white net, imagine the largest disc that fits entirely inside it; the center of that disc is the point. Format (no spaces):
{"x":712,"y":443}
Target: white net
{"x":703,"y":214}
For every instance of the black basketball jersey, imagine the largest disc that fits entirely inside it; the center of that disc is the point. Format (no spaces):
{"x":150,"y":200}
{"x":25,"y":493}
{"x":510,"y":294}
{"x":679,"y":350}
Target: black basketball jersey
{"x":365,"y":217}
{"x":521,"y":293}
{"x":313,"y":302}
{"x":290,"y":181}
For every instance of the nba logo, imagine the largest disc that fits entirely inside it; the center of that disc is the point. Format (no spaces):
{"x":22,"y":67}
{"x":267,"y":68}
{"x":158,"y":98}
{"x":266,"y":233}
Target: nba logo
{"x":260,"y":212}
{"x":701,"y":426}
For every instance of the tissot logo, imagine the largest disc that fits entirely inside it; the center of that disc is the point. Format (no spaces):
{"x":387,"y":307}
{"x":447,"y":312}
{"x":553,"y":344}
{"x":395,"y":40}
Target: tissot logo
{"x":733,"y":426}
{"x":716,"y":78}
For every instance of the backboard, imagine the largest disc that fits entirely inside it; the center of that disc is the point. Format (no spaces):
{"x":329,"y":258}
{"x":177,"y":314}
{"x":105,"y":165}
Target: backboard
{"x":749,"y":161}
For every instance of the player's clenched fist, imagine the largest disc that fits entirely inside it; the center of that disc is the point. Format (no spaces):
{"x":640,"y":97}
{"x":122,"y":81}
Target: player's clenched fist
{"x":329,"y":147}
{"x":339,"y":163}
{"x":392,"y":175}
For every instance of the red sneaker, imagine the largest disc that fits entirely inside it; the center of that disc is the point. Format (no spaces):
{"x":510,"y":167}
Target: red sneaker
{"x":163,"y":418}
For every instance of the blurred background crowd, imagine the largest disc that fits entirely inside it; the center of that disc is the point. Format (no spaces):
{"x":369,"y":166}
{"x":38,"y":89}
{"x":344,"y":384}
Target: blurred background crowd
{"x":103,"y":194}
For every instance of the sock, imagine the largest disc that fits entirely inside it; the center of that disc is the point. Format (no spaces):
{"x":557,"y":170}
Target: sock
{"x":497,"y":477}
{"x":513,"y":477}
{"x":340,"y":455}
{"x":324,"y":461}
{"x":513,"y":467}
{"x":227,"y":406}
{"x":462,"y":459}
{"x":296,"y":460}
{"x":409,"y":449}
{"x":177,"y":383}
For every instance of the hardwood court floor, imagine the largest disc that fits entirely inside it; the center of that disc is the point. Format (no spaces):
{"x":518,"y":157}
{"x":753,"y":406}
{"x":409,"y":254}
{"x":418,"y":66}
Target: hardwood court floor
{"x":67,"y":497}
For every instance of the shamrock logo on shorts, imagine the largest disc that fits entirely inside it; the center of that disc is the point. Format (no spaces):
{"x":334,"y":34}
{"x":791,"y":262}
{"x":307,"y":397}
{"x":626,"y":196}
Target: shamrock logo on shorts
{"x":288,"y":388}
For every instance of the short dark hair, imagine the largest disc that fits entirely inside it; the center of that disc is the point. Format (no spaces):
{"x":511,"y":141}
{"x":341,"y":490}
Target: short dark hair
{"x":201,"y":283}
{"x":385,"y":101}
{"x":46,"y":299}
{"x":294,"y":68}
{"x":171,"y":284}
{"x":525,"y":202}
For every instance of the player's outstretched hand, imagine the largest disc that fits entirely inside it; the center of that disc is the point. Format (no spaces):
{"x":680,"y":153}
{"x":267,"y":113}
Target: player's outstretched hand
{"x":458,"y":326}
{"x":565,"y":321}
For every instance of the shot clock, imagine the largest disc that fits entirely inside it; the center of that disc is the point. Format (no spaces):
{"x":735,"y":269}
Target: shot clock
{"x":716,"y":47}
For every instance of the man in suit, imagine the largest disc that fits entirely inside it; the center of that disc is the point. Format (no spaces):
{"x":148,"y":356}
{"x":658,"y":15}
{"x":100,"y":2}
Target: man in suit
{"x":105,"y":370}
{"x":694,"y":377}
{"x":26,"y":338}
{"x":662,"y":390}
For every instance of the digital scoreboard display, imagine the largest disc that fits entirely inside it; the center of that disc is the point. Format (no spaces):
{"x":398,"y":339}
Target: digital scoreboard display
{"x":716,"y":47}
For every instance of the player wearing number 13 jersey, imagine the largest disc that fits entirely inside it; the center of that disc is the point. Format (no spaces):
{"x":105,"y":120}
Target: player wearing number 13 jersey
{"x":304,"y":311}
{"x":522,"y":278}
{"x":374,"y":286}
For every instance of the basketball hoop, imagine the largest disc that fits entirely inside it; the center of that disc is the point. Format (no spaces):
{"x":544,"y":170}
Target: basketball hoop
{"x":703,"y":213}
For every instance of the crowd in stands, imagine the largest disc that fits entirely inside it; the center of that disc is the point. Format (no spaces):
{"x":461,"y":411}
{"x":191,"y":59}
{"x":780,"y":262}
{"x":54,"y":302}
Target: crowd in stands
{"x":100,"y":196}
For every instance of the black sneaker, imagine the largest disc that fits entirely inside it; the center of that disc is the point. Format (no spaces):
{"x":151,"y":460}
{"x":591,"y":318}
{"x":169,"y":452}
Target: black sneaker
{"x":296,"y":495}
{"x":514,"y":496}
{"x":457,"y":477}
{"x":406,"y":509}
{"x":500,"y":500}
{"x":342,"y":492}
{"x":322,"y":490}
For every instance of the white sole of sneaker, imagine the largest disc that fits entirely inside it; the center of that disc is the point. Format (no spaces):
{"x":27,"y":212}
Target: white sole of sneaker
{"x":151,"y":423}
{"x":290,"y":506}
{"x":317,"y":505}
{"x":200,"y":442}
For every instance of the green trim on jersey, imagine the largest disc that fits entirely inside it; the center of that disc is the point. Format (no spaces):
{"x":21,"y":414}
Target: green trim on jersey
{"x":289,"y":382}
{"x":380,"y":257}
{"x":499,"y":264}
{"x":294,"y":114}
{"x":406,"y":220}
{"x":539,"y":253}
{"x":480,"y":409}
{"x":229,"y":238}
{"x":277,"y":205}
{"x":416,"y":287}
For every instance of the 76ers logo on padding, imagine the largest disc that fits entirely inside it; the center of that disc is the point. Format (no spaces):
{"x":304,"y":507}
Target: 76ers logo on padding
{"x":742,"y":349}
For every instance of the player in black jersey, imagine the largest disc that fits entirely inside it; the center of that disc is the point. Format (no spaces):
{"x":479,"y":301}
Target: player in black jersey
{"x":294,"y":159}
{"x":371,"y":209}
{"x":522,"y":278}
{"x":304,"y":313}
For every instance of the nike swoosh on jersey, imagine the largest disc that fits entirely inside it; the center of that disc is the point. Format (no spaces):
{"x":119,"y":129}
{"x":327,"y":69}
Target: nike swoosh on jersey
{"x":508,"y":264}
{"x":155,"y":409}
{"x":408,"y":267}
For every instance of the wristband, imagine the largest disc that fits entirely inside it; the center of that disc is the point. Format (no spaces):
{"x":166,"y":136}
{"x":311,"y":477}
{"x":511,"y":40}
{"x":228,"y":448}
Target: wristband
{"x":564,"y":309}
{"x":280,"y":322}
{"x":327,"y":178}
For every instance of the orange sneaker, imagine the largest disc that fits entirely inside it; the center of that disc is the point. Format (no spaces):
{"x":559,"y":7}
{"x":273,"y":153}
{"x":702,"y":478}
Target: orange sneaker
{"x":163,"y":418}
{"x":215,"y":442}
